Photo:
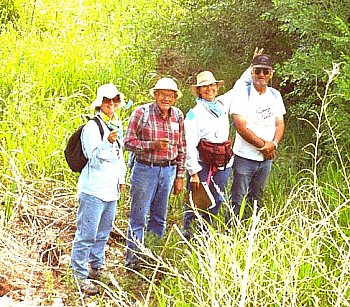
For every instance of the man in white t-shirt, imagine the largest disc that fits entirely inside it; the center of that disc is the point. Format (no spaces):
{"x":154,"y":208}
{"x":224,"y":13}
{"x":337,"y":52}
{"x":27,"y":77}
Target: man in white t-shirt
{"x":257,"y":111}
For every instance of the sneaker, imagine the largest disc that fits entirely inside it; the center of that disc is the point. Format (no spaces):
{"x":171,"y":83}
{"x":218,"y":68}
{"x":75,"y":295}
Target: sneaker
{"x":86,"y":286}
{"x":95,"y":273}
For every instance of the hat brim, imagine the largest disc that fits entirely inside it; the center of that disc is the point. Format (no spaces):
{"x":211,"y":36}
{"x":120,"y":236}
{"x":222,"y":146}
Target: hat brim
{"x":178,"y":92}
{"x":194,"y":87}
{"x":98,"y":101}
{"x":262,"y":66}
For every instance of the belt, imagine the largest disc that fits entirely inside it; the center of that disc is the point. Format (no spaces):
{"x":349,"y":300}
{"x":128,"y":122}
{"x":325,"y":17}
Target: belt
{"x":161,"y":164}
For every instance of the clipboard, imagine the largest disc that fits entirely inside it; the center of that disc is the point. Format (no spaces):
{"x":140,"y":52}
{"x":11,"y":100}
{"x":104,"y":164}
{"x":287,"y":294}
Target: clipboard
{"x":202,"y":198}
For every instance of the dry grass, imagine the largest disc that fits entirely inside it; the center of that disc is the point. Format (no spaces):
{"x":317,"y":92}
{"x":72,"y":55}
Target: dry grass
{"x":34,"y":242}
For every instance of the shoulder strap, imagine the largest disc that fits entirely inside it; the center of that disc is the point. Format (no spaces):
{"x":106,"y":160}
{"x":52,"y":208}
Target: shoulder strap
{"x":97,"y":121}
{"x":146,"y":114}
{"x":273,"y":92}
{"x":176,"y":112}
{"x":249,"y":87}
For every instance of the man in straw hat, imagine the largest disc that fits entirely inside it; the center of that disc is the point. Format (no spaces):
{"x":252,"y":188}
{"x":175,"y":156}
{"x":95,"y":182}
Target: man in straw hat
{"x":156,"y":136}
{"x":258,"y":116}
{"x":207,"y":123}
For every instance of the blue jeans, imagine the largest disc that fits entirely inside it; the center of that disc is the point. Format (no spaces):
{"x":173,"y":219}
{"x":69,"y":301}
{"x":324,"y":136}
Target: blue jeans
{"x":249,"y":180}
{"x":95,"y":220}
{"x":150,"y":190}
{"x":220,"y":178}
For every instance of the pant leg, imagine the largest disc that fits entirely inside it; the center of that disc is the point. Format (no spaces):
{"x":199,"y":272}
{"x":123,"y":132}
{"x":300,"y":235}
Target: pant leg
{"x":217,"y":189}
{"x":144,"y":180}
{"x":88,"y":218}
{"x":97,"y":255}
{"x":259,"y":182}
{"x":159,"y":205}
{"x":243,"y":171}
{"x":189,"y":215}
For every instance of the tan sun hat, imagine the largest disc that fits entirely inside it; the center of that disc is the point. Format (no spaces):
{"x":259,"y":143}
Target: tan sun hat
{"x":205,"y":78}
{"x":109,"y":91}
{"x":166,"y":84}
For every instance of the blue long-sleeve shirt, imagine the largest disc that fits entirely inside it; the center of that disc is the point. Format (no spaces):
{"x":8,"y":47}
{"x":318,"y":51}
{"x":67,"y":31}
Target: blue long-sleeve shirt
{"x":106,"y":167}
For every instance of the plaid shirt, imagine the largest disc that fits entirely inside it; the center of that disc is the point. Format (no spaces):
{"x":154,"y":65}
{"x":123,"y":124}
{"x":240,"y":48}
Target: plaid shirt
{"x":139,"y":137}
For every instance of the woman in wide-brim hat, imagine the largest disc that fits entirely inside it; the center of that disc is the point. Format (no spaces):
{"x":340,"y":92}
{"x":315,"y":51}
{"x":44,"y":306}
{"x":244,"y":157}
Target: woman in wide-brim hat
{"x":205,"y":78}
{"x":208,"y":120}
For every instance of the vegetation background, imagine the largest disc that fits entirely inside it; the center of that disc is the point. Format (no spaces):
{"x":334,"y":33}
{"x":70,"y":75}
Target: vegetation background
{"x":54,"y":55}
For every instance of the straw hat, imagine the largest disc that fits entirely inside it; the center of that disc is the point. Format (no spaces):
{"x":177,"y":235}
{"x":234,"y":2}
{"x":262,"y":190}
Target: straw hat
{"x":109,"y":91}
{"x":166,"y":84}
{"x":205,"y":78}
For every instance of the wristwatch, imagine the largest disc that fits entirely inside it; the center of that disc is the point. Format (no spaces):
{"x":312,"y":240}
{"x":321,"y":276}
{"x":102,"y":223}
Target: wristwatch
{"x":275,"y":143}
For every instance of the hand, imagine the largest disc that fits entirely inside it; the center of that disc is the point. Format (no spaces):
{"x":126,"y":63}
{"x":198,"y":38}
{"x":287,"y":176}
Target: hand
{"x":194,"y":182}
{"x":257,"y":52}
{"x":121,"y":187}
{"x":271,"y":155}
{"x":160,"y":144}
{"x":268,"y":150}
{"x":178,"y":185}
{"x":113,"y":136}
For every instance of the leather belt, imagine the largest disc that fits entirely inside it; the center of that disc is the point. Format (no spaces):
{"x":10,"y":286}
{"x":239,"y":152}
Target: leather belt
{"x":161,"y":164}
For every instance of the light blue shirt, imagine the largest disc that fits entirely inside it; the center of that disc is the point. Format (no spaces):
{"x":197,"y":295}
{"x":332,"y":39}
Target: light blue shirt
{"x":200,"y":123}
{"x":106,"y":167}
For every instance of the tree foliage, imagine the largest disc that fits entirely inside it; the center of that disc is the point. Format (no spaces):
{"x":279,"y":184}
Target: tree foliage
{"x":304,"y":37}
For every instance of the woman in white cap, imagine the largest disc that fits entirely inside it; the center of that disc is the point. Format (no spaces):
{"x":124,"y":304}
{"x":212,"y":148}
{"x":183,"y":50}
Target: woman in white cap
{"x":99,"y":187}
{"x":156,"y":137}
{"x":209,"y":150}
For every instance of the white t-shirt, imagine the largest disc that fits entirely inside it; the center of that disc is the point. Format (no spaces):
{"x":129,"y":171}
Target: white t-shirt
{"x":260,"y":112}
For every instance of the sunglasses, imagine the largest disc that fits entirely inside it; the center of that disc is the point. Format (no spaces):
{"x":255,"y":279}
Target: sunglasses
{"x":114,"y":100}
{"x":258,"y":71}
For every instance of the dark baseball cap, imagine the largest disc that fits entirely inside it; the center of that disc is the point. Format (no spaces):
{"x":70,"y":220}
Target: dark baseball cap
{"x":262,"y":60}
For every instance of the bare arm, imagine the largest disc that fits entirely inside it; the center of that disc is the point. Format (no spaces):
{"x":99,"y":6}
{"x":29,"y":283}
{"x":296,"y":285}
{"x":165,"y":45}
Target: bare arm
{"x":245,"y":133}
{"x":279,"y":129}
{"x":267,"y":148}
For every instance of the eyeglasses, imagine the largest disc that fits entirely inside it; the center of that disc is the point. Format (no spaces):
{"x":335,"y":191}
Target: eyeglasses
{"x":114,"y":100}
{"x":162,"y":95}
{"x":212,"y":85}
{"x":265,"y":71}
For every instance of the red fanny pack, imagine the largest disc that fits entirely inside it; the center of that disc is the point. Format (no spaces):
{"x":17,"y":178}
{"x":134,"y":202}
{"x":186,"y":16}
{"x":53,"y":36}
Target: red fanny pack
{"x":215,"y":154}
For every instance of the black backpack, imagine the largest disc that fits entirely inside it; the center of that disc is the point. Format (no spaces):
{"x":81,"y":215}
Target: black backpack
{"x":74,"y":152}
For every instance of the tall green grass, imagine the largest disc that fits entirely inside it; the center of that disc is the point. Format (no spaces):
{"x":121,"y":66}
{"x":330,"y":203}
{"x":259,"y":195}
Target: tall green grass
{"x":54,"y":55}
{"x":295,"y":252}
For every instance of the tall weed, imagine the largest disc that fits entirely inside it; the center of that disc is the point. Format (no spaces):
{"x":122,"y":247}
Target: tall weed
{"x":293,"y":253}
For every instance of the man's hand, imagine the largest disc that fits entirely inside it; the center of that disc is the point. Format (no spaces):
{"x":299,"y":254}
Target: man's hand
{"x":268,"y":150}
{"x":160,"y":144}
{"x":257,"y":52}
{"x":178,"y":186}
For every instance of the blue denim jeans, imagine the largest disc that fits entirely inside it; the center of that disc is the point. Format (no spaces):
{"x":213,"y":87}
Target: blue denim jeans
{"x":220,"y":178}
{"x":95,"y":220}
{"x":150,"y":190}
{"x":249,"y":180}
